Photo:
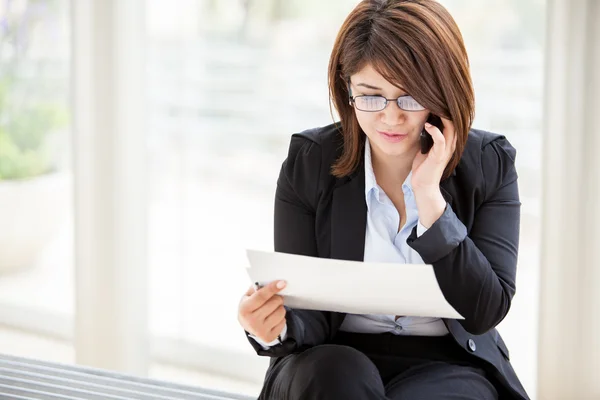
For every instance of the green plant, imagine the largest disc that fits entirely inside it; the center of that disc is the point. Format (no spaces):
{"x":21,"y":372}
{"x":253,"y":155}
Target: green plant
{"x":16,"y":163}
{"x":27,"y":120}
{"x":24,"y":134}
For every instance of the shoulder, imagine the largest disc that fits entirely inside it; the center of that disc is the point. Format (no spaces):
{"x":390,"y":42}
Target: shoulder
{"x":314,"y":150}
{"x":479,"y":141}
{"x":489,"y":159}
{"x":306,"y":170}
{"x":328,"y":140}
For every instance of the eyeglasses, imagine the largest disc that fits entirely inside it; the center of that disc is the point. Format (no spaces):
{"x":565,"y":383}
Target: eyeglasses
{"x":378,"y":103}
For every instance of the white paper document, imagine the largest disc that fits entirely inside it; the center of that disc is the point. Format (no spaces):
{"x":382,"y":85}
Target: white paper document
{"x":352,"y":287}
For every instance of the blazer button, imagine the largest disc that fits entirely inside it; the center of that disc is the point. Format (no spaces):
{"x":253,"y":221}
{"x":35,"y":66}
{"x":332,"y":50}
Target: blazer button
{"x":472,"y":345}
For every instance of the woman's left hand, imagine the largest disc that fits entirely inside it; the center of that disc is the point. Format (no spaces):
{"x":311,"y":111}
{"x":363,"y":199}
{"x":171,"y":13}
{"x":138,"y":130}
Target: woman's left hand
{"x":427,"y":171}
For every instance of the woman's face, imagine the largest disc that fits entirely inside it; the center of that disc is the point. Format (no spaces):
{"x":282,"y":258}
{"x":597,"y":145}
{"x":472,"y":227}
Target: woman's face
{"x":392,"y":131}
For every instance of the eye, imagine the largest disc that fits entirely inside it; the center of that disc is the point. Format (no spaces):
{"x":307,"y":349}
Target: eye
{"x":368,"y":94}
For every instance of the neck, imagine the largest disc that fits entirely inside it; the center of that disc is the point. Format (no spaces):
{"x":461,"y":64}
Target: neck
{"x":391,"y":171}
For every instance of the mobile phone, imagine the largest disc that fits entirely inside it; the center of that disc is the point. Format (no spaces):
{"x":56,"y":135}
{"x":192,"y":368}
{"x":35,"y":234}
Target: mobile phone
{"x":426,"y":139}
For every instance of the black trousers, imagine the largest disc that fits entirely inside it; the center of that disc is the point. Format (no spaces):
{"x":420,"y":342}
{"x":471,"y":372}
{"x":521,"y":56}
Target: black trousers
{"x":379,"y":367}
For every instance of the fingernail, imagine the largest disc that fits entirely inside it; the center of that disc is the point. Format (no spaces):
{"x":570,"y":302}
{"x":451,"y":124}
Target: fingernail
{"x":427,"y":124}
{"x":280,"y":284}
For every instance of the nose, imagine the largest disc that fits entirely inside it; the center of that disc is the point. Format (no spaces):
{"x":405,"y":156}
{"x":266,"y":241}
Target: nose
{"x":393,"y":115}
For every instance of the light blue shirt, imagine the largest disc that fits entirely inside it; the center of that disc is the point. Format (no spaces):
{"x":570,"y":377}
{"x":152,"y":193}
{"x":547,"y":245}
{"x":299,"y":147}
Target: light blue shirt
{"x":383,"y":243}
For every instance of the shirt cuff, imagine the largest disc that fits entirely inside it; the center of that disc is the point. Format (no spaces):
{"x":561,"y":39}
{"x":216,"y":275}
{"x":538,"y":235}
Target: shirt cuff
{"x":267,"y":346}
{"x":420,"y":229}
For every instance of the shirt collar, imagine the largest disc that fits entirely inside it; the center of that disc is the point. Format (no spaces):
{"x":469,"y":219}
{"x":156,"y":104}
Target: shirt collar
{"x":370,"y":180}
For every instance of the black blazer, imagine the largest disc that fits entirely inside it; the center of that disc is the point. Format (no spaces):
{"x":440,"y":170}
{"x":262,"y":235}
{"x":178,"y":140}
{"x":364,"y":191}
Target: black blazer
{"x":472,"y":247}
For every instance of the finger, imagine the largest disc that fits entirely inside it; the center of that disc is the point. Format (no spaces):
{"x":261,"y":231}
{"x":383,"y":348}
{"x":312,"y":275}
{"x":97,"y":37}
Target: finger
{"x":277,"y":329}
{"x":449,"y":132}
{"x":275,"y":318}
{"x":268,"y":308}
{"x":439,"y":141}
{"x":262,"y":295}
{"x":447,"y":124}
{"x":246,"y":296}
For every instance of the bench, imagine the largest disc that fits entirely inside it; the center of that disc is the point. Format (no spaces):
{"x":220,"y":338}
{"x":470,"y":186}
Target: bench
{"x":27,"y":379}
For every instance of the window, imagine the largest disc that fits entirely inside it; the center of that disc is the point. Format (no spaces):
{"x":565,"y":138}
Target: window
{"x":227,"y":83}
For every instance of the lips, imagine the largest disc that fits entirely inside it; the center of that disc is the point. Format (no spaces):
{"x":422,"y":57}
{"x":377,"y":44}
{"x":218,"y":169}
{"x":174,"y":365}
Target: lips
{"x":392,"y":137}
{"x":392,"y":133}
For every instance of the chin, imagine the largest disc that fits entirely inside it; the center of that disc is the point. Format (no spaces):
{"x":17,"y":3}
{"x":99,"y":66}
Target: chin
{"x":407,"y":147}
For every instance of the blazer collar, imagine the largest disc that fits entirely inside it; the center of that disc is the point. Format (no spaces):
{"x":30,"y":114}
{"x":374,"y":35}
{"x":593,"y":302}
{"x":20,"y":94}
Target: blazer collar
{"x":349,"y":215}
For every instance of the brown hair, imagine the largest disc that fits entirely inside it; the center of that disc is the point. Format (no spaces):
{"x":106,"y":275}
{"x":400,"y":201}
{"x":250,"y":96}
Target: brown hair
{"x":414,"y":44}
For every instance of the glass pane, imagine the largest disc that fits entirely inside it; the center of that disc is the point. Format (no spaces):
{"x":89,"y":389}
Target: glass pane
{"x":36,"y":263}
{"x":228,"y":83}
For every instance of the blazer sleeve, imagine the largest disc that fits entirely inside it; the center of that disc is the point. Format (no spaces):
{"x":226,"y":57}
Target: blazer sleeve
{"x":476,"y":271}
{"x":296,"y":197}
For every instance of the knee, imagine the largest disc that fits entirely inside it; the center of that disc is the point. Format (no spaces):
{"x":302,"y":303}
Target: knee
{"x":327,"y":368}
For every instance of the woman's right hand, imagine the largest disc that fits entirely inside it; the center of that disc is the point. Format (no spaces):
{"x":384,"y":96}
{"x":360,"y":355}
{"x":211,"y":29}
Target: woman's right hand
{"x":261,"y":313}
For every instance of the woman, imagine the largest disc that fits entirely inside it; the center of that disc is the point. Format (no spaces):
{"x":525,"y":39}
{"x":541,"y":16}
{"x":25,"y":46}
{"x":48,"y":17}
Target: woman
{"x":364,"y":189}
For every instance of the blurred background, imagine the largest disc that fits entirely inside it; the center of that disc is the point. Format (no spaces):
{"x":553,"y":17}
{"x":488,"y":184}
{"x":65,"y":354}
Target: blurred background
{"x":226,"y":83}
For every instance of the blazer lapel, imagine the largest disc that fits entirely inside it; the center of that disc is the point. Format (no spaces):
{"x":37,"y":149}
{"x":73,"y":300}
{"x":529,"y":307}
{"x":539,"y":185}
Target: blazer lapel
{"x":349,"y":218}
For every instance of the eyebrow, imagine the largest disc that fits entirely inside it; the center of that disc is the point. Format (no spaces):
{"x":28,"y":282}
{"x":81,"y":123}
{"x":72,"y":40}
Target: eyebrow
{"x":366,"y":85}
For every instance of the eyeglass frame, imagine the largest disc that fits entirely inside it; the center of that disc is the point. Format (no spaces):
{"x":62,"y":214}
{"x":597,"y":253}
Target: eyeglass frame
{"x":387,"y":101}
